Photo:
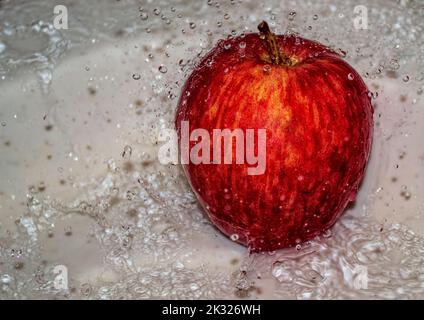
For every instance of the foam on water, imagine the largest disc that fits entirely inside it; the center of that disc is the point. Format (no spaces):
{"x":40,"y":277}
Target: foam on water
{"x":142,"y":216}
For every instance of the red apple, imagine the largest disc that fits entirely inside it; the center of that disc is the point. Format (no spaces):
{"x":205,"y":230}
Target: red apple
{"x":317,"y":115}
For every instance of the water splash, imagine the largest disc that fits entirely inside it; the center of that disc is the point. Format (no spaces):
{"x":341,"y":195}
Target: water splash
{"x":143,"y":216}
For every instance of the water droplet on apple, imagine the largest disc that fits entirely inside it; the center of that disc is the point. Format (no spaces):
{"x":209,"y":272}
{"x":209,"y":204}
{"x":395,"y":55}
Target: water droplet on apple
{"x":267,"y":68}
{"x":234,"y":237}
{"x":209,"y":62}
{"x":227,"y":46}
{"x":242,"y":45}
{"x":350,"y":76}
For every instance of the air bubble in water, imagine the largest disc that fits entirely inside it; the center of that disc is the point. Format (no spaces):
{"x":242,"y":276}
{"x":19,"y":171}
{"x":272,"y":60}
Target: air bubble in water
{"x":136,"y":76}
{"x":86,"y":289}
{"x":327,"y":233}
{"x":194,"y":287}
{"x":68,"y":231}
{"x":130,"y":195}
{"x":292,"y":15}
{"x":350,"y":76}
{"x":126,"y":154}
{"x":405,"y":78}
{"x":144,"y":16}
{"x":373,"y":95}
{"x":342,"y":53}
{"x":315,"y":17}
{"x":156,"y":11}
{"x":6,"y":279}
{"x":394,"y":65}
{"x":234,"y":237}
{"x":2,"y":47}
{"x":16,"y":253}
{"x":280,"y":273}
{"x":192,"y":25}
{"x":163,"y":69}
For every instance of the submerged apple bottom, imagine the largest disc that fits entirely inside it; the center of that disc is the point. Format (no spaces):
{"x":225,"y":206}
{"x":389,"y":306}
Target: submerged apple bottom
{"x":318,"y":121}
{"x":282,"y":230}
{"x":266,"y":211}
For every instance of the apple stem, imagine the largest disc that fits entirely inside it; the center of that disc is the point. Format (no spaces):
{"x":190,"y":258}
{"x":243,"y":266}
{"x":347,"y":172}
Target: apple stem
{"x":277,"y":57}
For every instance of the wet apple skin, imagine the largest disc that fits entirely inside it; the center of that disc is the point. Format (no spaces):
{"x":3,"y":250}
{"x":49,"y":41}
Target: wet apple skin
{"x":319,"y":124}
